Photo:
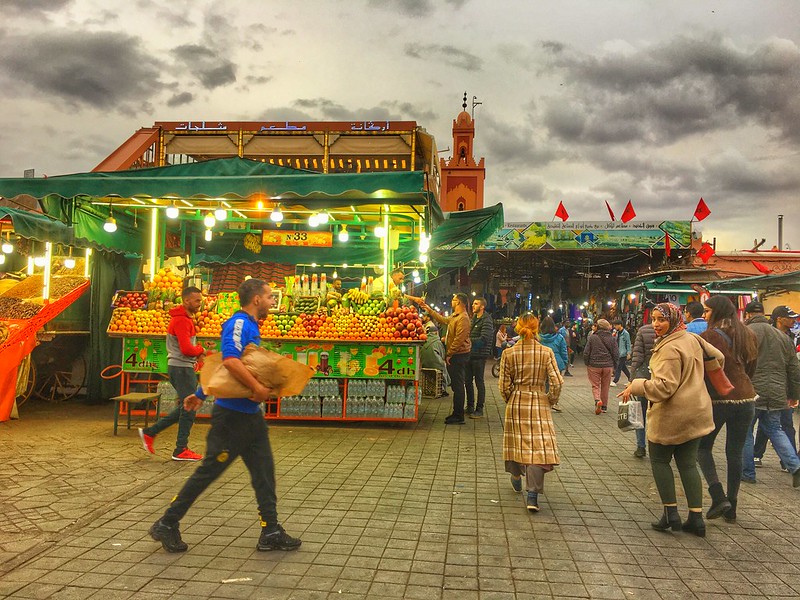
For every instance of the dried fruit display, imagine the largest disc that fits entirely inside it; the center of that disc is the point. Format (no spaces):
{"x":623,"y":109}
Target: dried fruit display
{"x":29,"y":287}
{"x":63,"y":285}
{"x":15,"y":308}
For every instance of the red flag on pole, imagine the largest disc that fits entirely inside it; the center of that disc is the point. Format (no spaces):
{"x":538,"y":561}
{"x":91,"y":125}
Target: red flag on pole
{"x":610,"y":212}
{"x":706,"y":252}
{"x":628,"y":213}
{"x":561,"y":212}
{"x":667,"y":245}
{"x":761,"y":267}
{"x":702,"y":210}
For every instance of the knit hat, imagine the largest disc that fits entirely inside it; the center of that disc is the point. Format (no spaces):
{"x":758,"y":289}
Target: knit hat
{"x":603,"y":324}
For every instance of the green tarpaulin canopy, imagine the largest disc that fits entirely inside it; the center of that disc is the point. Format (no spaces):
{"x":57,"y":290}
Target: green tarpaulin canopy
{"x":36,"y":226}
{"x":785,"y":281}
{"x":471,"y":226}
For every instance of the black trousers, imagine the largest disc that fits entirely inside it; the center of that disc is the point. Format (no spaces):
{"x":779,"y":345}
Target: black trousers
{"x":474,"y":373}
{"x":457,"y":371}
{"x":737,"y":419}
{"x":232,"y":434}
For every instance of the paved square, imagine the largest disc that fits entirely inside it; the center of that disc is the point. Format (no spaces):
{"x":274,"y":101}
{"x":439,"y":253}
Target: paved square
{"x":412,"y":511}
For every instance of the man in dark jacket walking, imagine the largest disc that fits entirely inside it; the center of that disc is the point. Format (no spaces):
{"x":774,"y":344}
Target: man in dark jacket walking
{"x":182,"y":354}
{"x":482,"y":335}
{"x":776,"y":380}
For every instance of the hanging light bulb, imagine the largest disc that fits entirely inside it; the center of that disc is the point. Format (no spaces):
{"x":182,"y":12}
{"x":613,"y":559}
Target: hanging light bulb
{"x":313,"y":265}
{"x":343,"y":235}
{"x":69,"y":263}
{"x":380,"y":231}
{"x":424,"y":244}
{"x":335,"y":274}
{"x":344,"y":266}
{"x":423,"y":258}
{"x":260,"y":205}
{"x":220,"y":214}
{"x":208,"y":235}
{"x":209,"y":221}
{"x":313,"y":220}
{"x":276,"y":214}
{"x":172,"y":211}
{"x":2,"y":259}
{"x":324,"y":217}
{"x":110,"y":225}
{"x":39,"y":261}
{"x":415,"y":273}
{"x":8,"y":247}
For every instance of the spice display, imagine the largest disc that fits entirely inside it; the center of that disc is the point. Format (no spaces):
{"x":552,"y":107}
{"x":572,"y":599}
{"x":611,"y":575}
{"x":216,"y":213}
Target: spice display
{"x":29,"y":287}
{"x":15,"y":308}
{"x":63,"y":285}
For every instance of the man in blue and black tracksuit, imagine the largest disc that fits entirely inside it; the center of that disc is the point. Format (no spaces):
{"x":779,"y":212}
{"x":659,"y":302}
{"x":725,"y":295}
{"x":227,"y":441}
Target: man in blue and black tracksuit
{"x":237,"y":429}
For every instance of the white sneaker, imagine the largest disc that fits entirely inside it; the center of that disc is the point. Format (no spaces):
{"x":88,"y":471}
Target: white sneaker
{"x":612,"y":384}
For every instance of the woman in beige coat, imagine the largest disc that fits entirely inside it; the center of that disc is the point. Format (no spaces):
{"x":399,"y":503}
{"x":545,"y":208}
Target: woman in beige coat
{"x":529,"y":438}
{"x":679,"y":414}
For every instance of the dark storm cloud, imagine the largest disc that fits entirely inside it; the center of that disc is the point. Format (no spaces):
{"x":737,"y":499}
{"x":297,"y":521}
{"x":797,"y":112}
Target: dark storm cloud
{"x":102,"y":70}
{"x":449,"y":55}
{"x":730,"y":172}
{"x":180,"y":99}
{"x":665,"y":92}
{"x":206,"y":64}
{"x":33,"y":8}
{"x":328,"y":109}
{"x":408,"y":110}
{"x":411,"y":8}
{"x":511,"y":144}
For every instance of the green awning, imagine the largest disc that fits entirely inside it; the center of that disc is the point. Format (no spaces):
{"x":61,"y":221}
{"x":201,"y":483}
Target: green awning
{"x":39,"y":227}
{"x":475,"y":225}
{"x":746,"y":285}
{"x":238,"y":178}
{"x":659,"y":287}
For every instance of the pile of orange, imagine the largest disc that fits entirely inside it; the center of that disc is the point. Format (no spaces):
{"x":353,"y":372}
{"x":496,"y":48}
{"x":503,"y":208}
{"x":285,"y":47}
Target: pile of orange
{"x":209,"y":324}
{"x":139,"y":322}
{"x":166,"y":281}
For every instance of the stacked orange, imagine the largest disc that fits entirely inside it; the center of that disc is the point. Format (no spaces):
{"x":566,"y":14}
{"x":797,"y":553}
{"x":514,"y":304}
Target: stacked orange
{"x":209,"y":324}
{"x":167,"y":282}
{"x":142,"y":322}
{"x":269,"y":327}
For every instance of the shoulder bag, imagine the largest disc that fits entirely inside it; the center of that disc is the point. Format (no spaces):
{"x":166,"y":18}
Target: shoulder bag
{"x":714,"y":374}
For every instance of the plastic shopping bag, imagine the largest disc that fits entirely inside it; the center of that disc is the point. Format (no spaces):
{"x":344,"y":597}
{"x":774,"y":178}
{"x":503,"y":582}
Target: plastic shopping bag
{"x":629,"y":416}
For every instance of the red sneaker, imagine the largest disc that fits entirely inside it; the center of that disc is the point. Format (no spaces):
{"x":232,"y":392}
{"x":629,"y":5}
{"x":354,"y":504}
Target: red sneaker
{"x":187,"y":455}
{"x":598,"y":407}
{"x":147,"y":441}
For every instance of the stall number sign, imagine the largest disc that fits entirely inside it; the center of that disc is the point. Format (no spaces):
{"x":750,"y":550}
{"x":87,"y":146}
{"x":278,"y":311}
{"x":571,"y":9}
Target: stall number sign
{"x":303,"y":239}
{"x":140,"y":355}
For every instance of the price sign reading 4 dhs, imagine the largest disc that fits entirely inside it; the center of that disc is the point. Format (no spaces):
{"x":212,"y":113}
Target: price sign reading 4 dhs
{"x":393,"y":368}
{"x":305,"y":239}
{"x":141,"y":355}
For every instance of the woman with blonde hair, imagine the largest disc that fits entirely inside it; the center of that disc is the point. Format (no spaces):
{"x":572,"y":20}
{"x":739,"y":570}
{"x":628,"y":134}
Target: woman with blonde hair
{"x":529,"y":438}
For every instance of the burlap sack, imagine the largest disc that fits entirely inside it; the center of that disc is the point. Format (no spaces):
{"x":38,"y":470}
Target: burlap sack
{"x":284,"y":375}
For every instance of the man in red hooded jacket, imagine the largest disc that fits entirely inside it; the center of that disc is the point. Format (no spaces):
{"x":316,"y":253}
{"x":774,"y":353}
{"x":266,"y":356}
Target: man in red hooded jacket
{"x":182,"y":354}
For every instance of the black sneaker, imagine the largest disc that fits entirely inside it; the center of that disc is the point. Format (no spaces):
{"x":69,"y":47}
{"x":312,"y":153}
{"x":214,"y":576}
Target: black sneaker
{"x":169,"y":536}
{"x":567,"y":374}
{"x":276,"y":539}
{"x":476,"y":414}
{"x":469,"y":410}
{"x":640,"y":452}
{"x":454,"y":420}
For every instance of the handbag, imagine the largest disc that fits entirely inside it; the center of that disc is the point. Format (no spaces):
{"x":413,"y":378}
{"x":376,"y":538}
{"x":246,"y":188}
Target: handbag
{"x":716,"y":376}
{"x":629,"y":416}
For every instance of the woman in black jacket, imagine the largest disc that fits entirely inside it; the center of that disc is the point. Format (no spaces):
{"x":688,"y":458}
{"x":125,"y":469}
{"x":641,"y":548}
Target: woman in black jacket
{"x":601,"y":355}
{"x":736,"y":410}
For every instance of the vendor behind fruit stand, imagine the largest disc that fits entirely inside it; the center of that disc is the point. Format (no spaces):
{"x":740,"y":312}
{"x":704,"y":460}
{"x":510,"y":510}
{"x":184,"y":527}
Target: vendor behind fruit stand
{"x":395,"y":292}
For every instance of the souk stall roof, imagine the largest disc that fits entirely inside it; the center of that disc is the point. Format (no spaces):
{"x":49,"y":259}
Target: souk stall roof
{"x":239,"y":178}
{"x":37,"y":226}
{"x":767,"y":283}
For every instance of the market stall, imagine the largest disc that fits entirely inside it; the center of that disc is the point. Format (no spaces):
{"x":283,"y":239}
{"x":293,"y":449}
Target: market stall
{"x":186,"y":219}
{"x":41,"y":278}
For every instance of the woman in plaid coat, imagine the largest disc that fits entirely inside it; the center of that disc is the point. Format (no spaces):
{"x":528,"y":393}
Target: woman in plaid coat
{"x":530,"y":384}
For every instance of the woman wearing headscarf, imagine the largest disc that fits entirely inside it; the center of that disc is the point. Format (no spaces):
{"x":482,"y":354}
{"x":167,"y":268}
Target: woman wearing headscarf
{"x":736,"y":410}
{"x":679,"y":414}
{"x":601,"y":355}
{"x":529,"y":438}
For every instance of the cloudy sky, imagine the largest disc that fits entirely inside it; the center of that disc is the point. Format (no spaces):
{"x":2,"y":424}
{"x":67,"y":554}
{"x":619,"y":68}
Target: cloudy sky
{"x":582,"y":101}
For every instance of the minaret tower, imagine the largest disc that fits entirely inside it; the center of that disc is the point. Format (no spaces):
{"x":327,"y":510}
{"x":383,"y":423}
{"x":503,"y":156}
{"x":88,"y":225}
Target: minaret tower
{"x":462,"y":178}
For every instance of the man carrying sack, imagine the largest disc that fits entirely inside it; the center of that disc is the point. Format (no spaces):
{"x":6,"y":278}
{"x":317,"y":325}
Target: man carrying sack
{"x":237,"y":429}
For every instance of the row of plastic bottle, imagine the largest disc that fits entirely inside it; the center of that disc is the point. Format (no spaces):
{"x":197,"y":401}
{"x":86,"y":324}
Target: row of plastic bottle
{"x":362,"y":388}
{"x":398,"y":394}
{"x":374,"y":407}
{"x":321,"y":387}
{"x":311,"y":406}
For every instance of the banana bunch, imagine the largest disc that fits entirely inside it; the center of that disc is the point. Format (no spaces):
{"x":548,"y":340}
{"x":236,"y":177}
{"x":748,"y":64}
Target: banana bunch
{"x":357,"y":296}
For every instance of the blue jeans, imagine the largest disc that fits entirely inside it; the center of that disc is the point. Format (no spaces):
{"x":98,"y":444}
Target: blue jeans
{"x":787,"y":424}
{"x":641,"y":436}
{"x":184,"y":380}
{"x":770,"y":422}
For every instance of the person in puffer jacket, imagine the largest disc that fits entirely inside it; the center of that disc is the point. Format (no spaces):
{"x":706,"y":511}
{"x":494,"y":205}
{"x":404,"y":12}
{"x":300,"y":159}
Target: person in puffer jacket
{"x":482,"y":336}
{"x":601,"y":356}
{"x":549,"y":336}
{"x":640,"y":367}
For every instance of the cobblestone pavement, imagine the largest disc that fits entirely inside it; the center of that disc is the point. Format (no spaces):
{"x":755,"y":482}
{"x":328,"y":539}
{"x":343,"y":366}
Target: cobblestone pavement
{"x":412,"y":511}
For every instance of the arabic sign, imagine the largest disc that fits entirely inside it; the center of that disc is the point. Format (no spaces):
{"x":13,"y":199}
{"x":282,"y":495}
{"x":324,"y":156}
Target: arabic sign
{"x":588,"y":235}
{"x":304,"y":239}
{"x":290,"y":126}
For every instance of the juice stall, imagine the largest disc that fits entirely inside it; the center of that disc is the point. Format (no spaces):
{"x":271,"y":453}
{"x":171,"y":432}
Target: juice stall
{"x":190,"y":219}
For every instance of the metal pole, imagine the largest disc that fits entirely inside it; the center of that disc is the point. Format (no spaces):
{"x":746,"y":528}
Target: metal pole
{"x":780,"y":232}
